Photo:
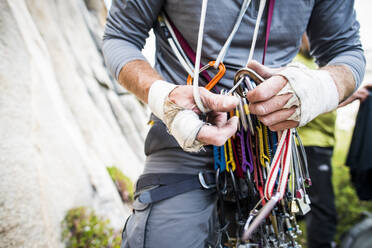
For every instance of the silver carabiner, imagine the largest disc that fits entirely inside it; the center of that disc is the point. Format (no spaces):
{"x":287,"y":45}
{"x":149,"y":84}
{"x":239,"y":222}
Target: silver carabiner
{"x":244,"y":74}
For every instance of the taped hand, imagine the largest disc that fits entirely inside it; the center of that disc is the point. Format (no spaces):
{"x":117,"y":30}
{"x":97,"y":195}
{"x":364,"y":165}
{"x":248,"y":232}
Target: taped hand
{"x":176,"y":107}
{"x":271,"y":107}
{"x":291,"y":96}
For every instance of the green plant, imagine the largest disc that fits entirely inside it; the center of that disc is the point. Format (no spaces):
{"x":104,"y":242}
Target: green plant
{"x":123,"y":183}
{"x":82,"y":228}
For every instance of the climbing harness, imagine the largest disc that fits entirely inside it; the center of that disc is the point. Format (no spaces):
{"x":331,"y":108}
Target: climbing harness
{"x":152,"y":188}
{"x":260,"y":176}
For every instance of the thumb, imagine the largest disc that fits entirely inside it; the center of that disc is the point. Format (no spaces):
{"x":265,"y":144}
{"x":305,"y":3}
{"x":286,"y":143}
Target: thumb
{"x":262,"y":70}
{"x":218,"y":103}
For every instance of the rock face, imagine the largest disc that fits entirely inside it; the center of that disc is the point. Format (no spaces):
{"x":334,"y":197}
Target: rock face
{"x":62,"y":121}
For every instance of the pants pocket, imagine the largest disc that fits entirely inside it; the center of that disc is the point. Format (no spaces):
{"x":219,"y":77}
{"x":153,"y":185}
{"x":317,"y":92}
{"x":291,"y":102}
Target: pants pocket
{"x":134,"y":231}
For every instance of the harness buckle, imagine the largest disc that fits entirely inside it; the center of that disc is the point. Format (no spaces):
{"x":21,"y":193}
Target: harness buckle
{"x":203,"y":182}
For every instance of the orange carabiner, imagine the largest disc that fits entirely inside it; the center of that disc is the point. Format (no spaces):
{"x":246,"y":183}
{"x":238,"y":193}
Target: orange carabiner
{"x":215,"y":79}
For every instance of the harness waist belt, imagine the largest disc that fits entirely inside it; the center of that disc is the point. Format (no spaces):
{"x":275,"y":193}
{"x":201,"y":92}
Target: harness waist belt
{"x":171,"y":184}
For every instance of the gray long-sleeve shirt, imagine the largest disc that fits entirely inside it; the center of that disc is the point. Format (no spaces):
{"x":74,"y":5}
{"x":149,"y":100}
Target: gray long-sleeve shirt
{"x":330,"y":24}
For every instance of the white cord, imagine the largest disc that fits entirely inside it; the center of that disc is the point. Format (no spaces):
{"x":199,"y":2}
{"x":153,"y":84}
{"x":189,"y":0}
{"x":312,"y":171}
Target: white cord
{"x":197,"y":60}
{"x":226,"y":46}
{"x":179,"y":48}
{"x":181,"y":59}
{"x":256,"y":28}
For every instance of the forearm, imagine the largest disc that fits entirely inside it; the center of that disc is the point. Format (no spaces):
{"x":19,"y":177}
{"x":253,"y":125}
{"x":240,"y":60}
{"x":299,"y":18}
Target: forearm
{"x":137,"y":77}
{"x":343,"y":78}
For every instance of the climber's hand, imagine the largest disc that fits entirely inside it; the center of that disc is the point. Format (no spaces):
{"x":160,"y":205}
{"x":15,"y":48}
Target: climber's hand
{"x":292,"y":96}
{"x":220,"y":129}
{"x":265,"y":101}
{"x":176,"y":107}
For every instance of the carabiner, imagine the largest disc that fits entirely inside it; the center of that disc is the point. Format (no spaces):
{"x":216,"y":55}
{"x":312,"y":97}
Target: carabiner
{"x":221,"y":184}
{"x":304,"y":158}
{"x":215,"y":79}
{"x":240,"y":77}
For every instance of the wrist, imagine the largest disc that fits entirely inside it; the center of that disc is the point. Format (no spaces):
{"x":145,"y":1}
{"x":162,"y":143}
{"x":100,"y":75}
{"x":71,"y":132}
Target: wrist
{"x":182,"y":123}
{"x":157,"y":95}
{"x":343,"y":78}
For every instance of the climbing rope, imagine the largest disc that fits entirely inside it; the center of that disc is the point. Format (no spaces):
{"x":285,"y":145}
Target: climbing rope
{"x":198,"y":55}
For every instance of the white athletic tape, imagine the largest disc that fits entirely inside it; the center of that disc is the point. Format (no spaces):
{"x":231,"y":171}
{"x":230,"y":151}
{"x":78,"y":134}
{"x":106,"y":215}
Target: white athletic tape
{"x":315,"y":90}
{"x":293,"y":101}
{"x":183,"y":124}
{"x":185,"y":128}
{"x":158,"y":93}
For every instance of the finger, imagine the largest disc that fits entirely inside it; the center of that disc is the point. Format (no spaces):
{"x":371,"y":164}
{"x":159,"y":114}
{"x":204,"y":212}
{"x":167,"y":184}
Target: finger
{"x":283,"y":125}
{"x":218,"y":103}
{"x":213,"y":135}
{"x":267,"y":89}
{"x":262,"y":70}
{"x":276,"y":117}
{"x":363,"y":94}
{"x":273,"y":104}
{"x":218,"y":119}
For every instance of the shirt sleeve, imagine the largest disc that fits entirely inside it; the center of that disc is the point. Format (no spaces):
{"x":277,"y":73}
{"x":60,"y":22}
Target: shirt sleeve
{"x":334,"y":36}
{"x":128,"y":25}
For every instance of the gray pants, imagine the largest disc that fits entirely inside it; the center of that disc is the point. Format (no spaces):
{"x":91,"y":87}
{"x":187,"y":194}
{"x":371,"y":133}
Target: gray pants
{"x":186,"y":220}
